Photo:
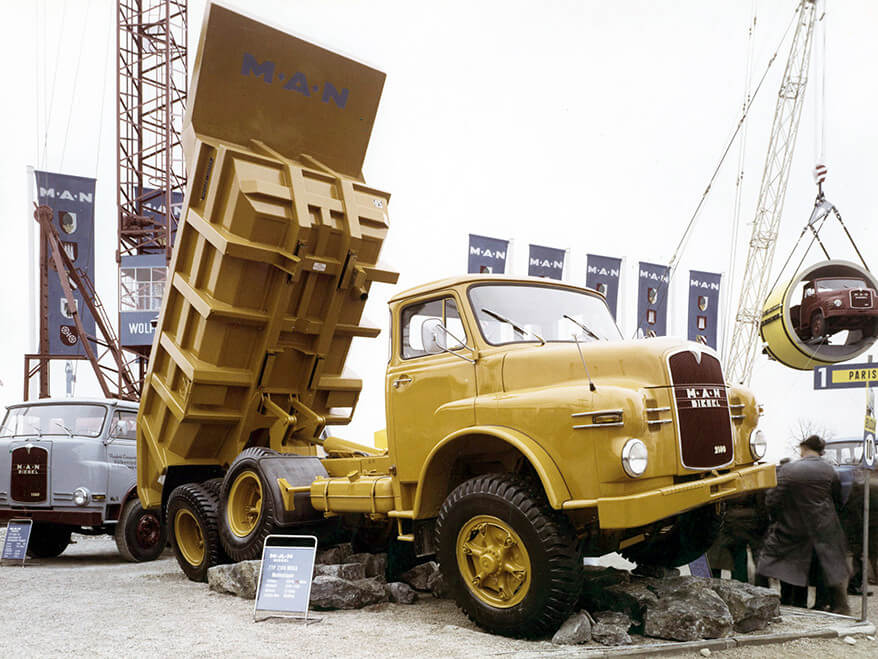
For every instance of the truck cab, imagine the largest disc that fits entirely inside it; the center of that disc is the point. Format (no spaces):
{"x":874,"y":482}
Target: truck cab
{"x":69,"y":465}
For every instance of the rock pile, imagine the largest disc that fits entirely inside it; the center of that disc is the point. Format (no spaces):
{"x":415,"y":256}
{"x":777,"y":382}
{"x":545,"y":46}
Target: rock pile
{"x":342,"y":580}
{"x":678,"y":608}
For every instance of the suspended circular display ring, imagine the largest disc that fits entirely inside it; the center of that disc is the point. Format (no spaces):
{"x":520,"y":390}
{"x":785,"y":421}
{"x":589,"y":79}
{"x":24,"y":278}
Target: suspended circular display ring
{"x":799,"y":325}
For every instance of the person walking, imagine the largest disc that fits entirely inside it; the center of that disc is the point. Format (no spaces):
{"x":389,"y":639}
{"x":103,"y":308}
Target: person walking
{"x":805,"y":542}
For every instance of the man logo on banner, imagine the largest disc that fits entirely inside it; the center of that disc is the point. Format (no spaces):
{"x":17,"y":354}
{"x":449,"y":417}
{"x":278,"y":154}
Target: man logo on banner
{"x":603,"y":276}
{"x":545,"y":262}
{"x":653,"y":282}
{"x":486,"y":255}
{"x":72,"y":200}
{"x":704,"y":288}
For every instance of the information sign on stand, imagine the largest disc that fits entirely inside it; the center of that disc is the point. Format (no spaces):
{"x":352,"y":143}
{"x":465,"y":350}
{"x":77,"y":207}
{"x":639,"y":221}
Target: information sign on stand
{"x":17,"y":538}
{"x":285,"y":575}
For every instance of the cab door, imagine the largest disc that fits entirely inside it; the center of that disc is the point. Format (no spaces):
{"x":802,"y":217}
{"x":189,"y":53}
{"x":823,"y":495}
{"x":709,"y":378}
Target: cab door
{"x":428,"y":395}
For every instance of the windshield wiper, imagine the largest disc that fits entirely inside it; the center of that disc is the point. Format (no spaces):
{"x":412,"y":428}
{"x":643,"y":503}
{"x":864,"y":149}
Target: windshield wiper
{"x":36,"y":427}
{"x":583,"y":327}
{"x":517,"y":328}
{"x":66,"y":429}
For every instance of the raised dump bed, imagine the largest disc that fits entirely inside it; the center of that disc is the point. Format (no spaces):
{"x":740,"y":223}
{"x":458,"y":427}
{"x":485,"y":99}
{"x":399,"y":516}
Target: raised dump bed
{"x":275,"y":253}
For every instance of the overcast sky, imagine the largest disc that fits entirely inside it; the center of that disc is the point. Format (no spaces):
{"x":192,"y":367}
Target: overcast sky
{"x":589,"y":126}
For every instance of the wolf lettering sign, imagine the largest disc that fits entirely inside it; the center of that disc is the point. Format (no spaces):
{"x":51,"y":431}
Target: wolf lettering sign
{"x":16,"y":541}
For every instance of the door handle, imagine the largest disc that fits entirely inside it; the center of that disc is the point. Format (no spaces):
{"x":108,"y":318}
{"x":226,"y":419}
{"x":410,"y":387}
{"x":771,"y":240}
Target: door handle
{"x":404,"y":379}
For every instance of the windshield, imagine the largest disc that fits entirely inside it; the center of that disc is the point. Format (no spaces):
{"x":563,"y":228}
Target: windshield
{"x":64,"y":420}
{"x":531,"y":313}
{"x":839,"y":284}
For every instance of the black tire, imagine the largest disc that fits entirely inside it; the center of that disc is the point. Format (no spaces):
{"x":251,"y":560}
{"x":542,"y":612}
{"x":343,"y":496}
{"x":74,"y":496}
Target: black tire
{"x":48,"y":540}
{"x":681,"y":541}
{"x":555,"y":564}
{"x":192,"y":510}
{"x":818,"y":324}
{"x":238,"y":545}
{"x":140,"y":534}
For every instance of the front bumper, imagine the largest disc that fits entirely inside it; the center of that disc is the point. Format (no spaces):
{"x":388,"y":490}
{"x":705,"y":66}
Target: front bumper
{"x":634,"y":510}
{"x":68,"y":517}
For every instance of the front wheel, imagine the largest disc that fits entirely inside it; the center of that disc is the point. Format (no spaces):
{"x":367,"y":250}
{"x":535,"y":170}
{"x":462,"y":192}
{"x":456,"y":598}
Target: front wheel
{"x":510,"y":561}
{"x":140,"y":535}
{"x":818,"y":324}
{"x":48,"y":540}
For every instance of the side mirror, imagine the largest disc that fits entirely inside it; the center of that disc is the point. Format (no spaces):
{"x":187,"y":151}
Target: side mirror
{"x":433,"y":336}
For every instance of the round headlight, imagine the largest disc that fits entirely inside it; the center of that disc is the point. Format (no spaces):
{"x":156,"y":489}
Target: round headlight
{"x":80,"y":496}
{"x":758,"y":444}
{"x":635,"y":457}
{"x":837,"y":303}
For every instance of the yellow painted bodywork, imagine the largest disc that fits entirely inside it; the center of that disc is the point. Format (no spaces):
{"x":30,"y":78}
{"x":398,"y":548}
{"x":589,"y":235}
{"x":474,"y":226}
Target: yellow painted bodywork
{"x":275,"y":254}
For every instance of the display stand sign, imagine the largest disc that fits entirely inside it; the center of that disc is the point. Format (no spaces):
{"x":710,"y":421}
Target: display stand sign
{"x":285,"y":575}
{"x":17,"y":537}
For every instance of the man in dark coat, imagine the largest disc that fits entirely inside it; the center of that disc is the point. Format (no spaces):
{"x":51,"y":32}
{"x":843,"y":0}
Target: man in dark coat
{"x":805,"y":542}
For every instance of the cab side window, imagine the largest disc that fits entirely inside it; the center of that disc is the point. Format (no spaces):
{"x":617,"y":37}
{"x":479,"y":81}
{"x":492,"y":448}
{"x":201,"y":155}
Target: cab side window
{"x":124,"y":425}
{"x":413,"y":318}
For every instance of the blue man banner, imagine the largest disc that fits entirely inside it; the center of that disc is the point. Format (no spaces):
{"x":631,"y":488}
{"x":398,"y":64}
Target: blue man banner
{"x":703,"y":307}
{"x":545,"y":262}
{"x":141,"y":289}
{"x":487,"y":255}
{"x":652,"y":298}
{"x":603,"y":276}
{"x":72,"y":200}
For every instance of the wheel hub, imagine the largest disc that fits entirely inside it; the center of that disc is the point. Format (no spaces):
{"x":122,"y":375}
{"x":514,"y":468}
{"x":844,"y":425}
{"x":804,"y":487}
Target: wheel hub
{"x":189,"y":537}
{"x":493,"y":561}
{"x":244,"y":505}
{"x":148,"y":530}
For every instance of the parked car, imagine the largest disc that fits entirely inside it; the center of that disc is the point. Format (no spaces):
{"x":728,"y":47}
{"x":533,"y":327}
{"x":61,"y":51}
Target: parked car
{"x":846,"y":455}
{"x":70,"y":466}
{"x":832,"y":304}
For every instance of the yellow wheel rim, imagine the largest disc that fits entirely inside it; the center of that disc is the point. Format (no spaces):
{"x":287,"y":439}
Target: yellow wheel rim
{"x":244,"y":506}
{"x":493,"y":561}
{"x":190,"y":539}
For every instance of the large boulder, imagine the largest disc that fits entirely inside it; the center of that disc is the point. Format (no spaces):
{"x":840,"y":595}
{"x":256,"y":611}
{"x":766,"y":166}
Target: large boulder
{"x":437,"y":586}
{"x":334,"y":555}
{"x":401,"y":593}
{"x":687,"y":610}
{"x":419,"y":576}
{"x":575,"y":630}
{"x":348,"y":571}
{"x":611,"y":628}
{"x":630,"y":598}
{"x":375,"y":588}
{"x":596,"y":581}
{"x":239,"y":579}
{"x":334,"y":593}
{"x":375,"y":565}
{"x":751,"y":607}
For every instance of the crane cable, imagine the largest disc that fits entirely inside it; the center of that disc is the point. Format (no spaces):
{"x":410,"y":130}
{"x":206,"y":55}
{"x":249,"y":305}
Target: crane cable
{"x":51,"y":102}
{"x":75,"y":80}
{"x":739,"y":178}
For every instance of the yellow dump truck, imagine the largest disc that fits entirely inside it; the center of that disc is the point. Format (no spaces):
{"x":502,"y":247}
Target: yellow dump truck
{"x":523,"y":432}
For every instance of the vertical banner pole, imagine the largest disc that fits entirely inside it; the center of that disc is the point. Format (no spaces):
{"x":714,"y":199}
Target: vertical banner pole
{"x":870,"y":412}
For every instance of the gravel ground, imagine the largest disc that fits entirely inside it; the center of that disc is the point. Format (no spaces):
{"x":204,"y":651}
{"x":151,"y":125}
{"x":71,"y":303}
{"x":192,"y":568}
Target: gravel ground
{"x":90,"y":602}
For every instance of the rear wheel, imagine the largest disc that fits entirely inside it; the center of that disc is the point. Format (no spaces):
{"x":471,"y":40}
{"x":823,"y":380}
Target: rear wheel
{"x":48,"y":540}
{"x":509,"y":560}
{"x":681,"y":541}
{"x":248,"y":515}
{"x":192,"y":523}
{"x":140,"y":535}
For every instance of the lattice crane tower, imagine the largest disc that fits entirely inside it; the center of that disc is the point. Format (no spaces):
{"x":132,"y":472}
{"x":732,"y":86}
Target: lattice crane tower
{"x":741,"y":352}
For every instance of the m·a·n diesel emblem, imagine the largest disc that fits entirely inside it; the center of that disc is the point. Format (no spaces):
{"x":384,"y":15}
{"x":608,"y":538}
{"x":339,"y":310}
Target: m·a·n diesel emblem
{"x":297,"y":82}
{"x":704,"y":396}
